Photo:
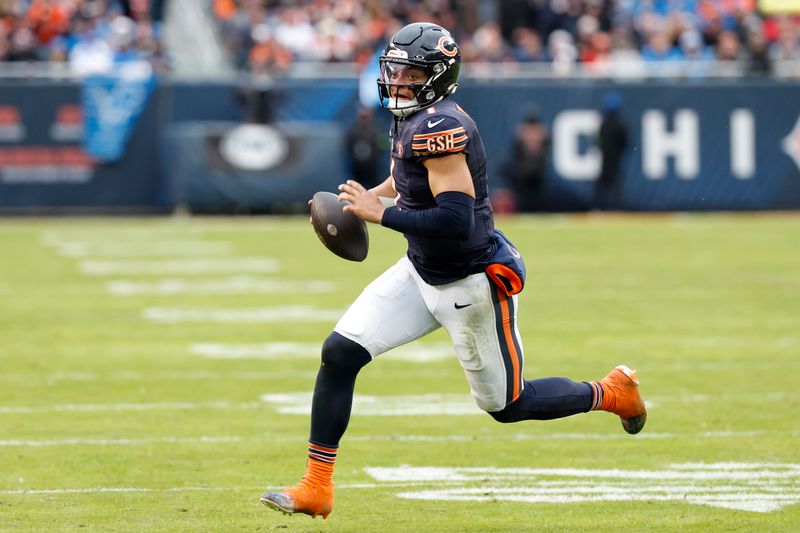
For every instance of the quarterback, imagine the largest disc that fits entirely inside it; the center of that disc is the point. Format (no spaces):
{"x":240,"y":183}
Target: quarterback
{"x":459,"y":273}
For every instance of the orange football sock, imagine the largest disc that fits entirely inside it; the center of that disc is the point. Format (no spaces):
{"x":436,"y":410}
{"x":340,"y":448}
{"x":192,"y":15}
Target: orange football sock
{"x":319,"y":468}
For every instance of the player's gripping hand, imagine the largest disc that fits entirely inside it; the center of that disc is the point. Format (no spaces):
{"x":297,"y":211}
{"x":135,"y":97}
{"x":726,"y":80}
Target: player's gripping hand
{"x":363,"y":203}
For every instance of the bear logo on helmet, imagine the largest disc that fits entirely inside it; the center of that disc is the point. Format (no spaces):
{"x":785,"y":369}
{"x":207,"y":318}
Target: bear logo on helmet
{"x":447,"y":46}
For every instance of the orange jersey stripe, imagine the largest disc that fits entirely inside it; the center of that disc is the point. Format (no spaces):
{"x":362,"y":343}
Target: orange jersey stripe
{"x":509,"y":335}
{"x":429,"y":135}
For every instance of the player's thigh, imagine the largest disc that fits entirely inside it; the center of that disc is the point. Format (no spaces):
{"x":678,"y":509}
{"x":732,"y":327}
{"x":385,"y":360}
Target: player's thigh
{"x":389,"y":312}
{"x":481,"y":322}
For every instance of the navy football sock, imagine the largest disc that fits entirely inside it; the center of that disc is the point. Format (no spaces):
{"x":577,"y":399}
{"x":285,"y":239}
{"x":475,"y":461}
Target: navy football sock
{"x":333,"y":392}
{"x":546,"y":399}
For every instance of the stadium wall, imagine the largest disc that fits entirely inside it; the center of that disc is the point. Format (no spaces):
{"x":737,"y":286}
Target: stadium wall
{"x":694,"y":145}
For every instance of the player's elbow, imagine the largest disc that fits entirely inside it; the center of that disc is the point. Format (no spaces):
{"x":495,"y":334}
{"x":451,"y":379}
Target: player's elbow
{"x":463,"y":227}
{"x":460,"y":214}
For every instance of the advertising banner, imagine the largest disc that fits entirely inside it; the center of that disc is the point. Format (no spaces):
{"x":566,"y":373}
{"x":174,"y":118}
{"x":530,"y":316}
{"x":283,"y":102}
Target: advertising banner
{"x":44,"y":167}
{"x":112,"y":107}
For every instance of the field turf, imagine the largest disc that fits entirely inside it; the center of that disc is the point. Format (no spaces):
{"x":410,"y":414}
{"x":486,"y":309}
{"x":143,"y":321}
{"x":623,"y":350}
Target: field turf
{"x":155,"y":375}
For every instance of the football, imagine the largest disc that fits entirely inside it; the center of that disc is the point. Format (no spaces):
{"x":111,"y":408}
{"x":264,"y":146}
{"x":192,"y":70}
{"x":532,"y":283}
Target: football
{"x":342,"y":233}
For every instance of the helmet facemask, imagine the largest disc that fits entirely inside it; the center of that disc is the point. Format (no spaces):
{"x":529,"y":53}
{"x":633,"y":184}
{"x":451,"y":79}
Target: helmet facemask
{"x":424,"y":94}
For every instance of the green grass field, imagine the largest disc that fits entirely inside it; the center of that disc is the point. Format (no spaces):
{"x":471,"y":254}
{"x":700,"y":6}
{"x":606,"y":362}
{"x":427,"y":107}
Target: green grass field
{"x":155,"y":376}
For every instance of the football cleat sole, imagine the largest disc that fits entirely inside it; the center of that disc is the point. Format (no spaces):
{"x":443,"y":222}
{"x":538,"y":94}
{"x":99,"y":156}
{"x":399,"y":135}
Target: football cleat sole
{"x":282,"y":502}
{"x":275,"y":506}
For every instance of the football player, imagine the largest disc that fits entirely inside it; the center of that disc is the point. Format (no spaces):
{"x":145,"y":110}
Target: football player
{"x":450,"y":277}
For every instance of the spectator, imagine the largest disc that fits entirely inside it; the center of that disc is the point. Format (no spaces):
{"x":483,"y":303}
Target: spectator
{"x":526,"y":167}
{"x":48,"y":19}
{"x":91,"y":55}
{"x":365,"y":149}
{"x":612,"y":139}
{"x":759,"y":62}
{"x":268,"y":37}
{"x":697,"y":58}
{"x":562,"y":50}
{"x":527,"y":46}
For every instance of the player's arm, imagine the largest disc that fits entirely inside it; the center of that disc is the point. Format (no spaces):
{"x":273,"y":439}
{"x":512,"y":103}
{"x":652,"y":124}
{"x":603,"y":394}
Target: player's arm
{"x":385,"y":189}
{"x":453,"y":217}
{"x":449,"y":174}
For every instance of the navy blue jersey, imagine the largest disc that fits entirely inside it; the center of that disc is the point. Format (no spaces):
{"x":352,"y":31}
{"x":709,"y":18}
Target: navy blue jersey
{"x":436,"y":131}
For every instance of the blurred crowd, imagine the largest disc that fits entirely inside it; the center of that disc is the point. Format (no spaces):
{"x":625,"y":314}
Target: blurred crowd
{"x":92,"y":36}
{"x":600,"y":36}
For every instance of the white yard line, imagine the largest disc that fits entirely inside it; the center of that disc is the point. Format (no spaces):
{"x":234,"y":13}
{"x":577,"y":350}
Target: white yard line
{"x":22,"y":443}
{"x":299,"y":403}
{"x":171,"y":248}
{"x":165,"y":267}
{"x":290,"y":313}
{"x":113,"y":490}
{"x":231,"y":285}
{"x":755,"y":487}
{"x":114,"y":407}
{"x":177,"y":375}
{"x":221,"y":439}
{"x":415,"y":352}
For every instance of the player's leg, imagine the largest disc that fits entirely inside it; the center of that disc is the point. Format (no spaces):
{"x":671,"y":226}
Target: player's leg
{"x":488,"y":345}
{"x":330,"y":413}
{"x":388,"y":313}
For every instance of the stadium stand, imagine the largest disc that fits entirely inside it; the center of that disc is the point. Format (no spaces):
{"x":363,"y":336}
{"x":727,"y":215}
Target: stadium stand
{"x":91,"y":36}
{"x":694,"y":38}
{"x":600,"y":37}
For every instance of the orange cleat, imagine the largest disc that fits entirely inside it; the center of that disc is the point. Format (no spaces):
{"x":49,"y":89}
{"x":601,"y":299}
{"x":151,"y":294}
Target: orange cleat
{"x":621,"y":397}
{"x":306,"y":497}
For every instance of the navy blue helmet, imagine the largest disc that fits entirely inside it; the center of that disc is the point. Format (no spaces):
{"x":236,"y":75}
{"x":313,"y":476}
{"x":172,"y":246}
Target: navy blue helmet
{"x":424,"y":46}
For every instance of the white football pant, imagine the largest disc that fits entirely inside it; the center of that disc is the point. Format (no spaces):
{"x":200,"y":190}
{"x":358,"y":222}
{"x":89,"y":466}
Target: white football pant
{"x":399,"y":307}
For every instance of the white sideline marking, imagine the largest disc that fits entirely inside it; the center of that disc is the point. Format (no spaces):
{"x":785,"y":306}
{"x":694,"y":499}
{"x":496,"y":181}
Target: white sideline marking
{"x":141,"y":249}
{"x":117,"y":442}
{"x":291,"y":313}
{"x":100,"y":441}
{"x":416,"y":353}
{"x":756,"y":487}
{"x":575,"y":436}
{"x":94,"y":407}
{"x":116,"y":234}
{"x":299,"y":403}
{"x":236,"y":265}
{"x":99,"y":490}
{"x":726,"y":396}
{"x":233,"y":285}
{"x":96,"y":490}
{"x":692,"y":471}
{"x":178,"y":375}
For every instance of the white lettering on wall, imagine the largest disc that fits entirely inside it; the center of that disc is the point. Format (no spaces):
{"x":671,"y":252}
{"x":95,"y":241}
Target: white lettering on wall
{"x":568,"y":128}
{"x":682,"y":144}
{"x":743,"y":146}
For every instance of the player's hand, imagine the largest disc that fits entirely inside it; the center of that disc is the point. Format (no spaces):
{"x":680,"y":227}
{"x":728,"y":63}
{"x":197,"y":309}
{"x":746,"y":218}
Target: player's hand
{"x":363,"y":203}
